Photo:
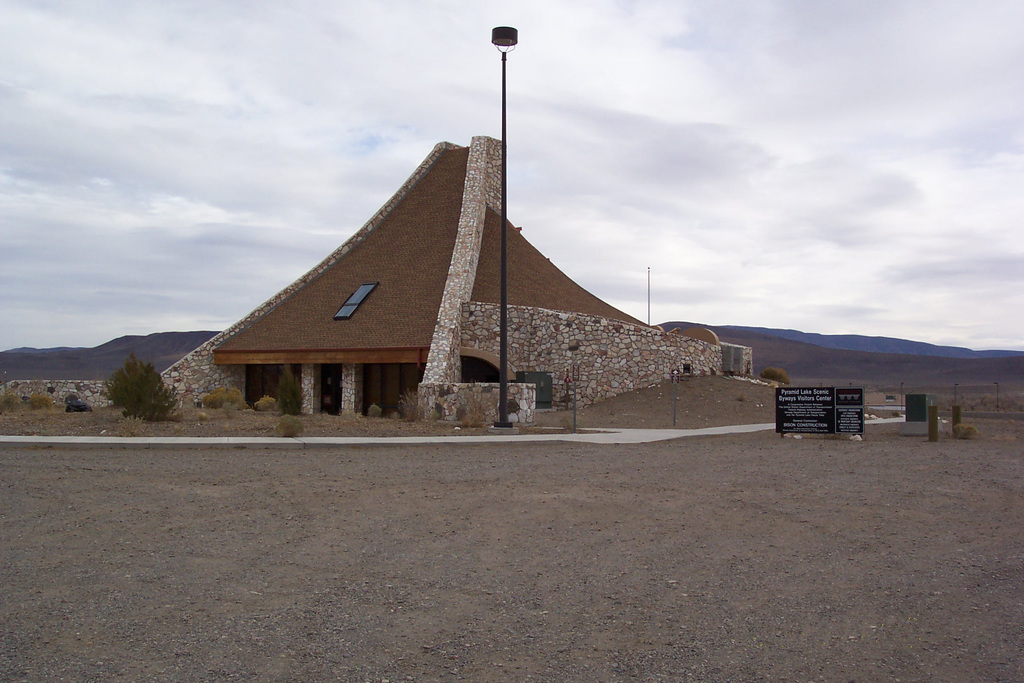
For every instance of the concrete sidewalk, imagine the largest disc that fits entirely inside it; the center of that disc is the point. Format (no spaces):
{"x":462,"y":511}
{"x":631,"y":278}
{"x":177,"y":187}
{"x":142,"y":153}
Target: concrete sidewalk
{"x":608,"y":436}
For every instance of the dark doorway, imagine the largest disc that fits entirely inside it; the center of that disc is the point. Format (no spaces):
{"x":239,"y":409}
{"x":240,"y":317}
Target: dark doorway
{"x":263,"y":380}
{"x":330,"y":389}
{"x":476,"y":370}
{"x":385,"y":383}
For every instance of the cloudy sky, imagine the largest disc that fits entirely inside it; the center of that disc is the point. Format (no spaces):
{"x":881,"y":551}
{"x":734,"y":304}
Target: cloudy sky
{"x":833,"y":167}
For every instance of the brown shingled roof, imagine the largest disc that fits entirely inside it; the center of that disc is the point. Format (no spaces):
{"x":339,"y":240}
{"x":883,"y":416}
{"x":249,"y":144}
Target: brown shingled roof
{"x":408,"y":254}
{"x":533,"y":280}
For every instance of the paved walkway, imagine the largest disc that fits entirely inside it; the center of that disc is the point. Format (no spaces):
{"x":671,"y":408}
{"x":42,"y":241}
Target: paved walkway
{"x":608,"y":436}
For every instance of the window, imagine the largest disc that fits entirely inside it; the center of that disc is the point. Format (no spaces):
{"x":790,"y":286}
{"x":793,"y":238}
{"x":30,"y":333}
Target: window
{"x":350,"y":306}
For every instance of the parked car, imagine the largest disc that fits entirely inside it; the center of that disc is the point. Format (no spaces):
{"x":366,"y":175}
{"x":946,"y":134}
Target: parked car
{"x":73,"y":404}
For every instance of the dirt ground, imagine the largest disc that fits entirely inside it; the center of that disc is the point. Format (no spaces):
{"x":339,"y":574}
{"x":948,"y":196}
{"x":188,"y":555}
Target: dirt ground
{"x":700,"y":402}
{"x":728,"y":558}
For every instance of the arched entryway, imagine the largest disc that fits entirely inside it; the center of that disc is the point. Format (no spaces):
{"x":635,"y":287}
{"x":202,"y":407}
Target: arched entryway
{"x":480,"y":366}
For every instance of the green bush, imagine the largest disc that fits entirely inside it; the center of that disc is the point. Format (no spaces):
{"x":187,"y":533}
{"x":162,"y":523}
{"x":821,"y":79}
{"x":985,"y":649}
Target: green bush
{"x":290,"y":426}
{"x":40,"y":402}
{"x":775,"y":375}
{"x":9,"y":402}
{"x":289,"y":394}
{"x":374,"y":411}
{"x":140,"y":391}
{"x":266,"y":404}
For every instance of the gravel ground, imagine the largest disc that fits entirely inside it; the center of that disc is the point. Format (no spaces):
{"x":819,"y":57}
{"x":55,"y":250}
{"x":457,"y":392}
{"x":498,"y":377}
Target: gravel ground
{"x":737,"y":558}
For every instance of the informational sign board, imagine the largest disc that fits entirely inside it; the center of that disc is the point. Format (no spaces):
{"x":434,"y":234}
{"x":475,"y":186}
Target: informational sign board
{"x":819,"y":410}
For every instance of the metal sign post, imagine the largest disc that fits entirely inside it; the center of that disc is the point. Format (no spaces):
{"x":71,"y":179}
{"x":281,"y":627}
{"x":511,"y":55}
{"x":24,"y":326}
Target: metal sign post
{"x":575,"y":381}
{"x":675,"y":393}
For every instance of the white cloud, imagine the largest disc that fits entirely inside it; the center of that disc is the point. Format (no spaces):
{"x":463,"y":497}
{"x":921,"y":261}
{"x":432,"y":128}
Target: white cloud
{"x":828,"y":167}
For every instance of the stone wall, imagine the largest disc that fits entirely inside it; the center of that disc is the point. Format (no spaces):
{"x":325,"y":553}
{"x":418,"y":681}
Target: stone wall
{"x":89,"y":391}
{"x":613,"y":356}
{"x":451,"y":400}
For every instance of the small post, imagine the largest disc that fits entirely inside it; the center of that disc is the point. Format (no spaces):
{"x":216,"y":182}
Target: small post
{"x":574,"y":371}
{"x":675,"y":393}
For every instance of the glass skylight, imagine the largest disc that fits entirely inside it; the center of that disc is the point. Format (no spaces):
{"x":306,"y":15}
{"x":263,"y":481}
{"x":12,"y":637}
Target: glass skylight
{"x":358,"y":296}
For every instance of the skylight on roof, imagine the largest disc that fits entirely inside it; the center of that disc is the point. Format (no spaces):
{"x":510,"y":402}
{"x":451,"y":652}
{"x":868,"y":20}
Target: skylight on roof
{"x":353,"y":302}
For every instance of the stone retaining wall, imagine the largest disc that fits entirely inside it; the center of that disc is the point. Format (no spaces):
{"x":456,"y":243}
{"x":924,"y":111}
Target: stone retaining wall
{"x":451,"y":400}
{"x":613,"y":356}
{"x":89,"y":391}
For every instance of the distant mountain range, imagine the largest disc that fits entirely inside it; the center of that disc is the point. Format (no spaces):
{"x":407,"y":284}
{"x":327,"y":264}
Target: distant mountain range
{"x":857,"y":342}
{"x":808,"y":358}
{"x":872,"y":361}
{"x":162,"y":349}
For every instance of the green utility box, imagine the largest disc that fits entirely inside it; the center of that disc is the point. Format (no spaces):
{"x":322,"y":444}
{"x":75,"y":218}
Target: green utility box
{"x":544,"y":386}
{"x":917,"y":406}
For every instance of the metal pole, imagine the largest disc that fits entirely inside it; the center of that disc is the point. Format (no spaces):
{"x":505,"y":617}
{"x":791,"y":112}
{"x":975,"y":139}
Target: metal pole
{"x":675,"y":394}
{"x":503,"y":341}
{"x":575,"y":381}
{"x":997,"y":396}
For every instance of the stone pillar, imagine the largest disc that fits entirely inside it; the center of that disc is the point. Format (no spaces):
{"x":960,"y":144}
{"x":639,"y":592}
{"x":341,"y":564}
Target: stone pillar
{"x":308,"y":382}
{"x":351,"y":387}
{"x":443,"y":361}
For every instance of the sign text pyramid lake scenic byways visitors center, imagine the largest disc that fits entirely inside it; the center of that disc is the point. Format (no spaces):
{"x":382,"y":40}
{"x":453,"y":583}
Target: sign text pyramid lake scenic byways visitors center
{"x":410,"y":303}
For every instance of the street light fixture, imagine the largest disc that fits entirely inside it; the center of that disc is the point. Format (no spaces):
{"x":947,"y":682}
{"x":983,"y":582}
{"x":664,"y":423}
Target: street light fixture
{"x":505,"y":38}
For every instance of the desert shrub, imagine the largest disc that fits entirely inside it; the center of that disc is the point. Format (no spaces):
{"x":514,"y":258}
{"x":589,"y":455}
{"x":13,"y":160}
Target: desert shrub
{"x":434,"y":416}
{"x":409,"y":407}
{"x":964,"y":431}
{"x":202,"y":417}
{"x":289,"y":426}
{"x":215,"y":399}
{"x":374,"y":411}
{"x":266,"y":404}
{"x":9,"y":402}
{"x":775,"y":375}
{"x":471,"y":411}
{"x":131,"y":426}
{"x":289,"y":394}
{"x":233,"y":397}
{"x":40,"y":402}
{"x":222,"y":397}
{"x":138,"y":388}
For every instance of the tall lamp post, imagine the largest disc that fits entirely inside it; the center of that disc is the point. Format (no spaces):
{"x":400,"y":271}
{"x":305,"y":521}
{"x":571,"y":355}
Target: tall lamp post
{"x":505,"y":39}
{"x":997,"y":396}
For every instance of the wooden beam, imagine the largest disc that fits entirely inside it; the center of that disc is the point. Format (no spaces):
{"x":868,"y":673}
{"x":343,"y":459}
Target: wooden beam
{"x":322,"y":356}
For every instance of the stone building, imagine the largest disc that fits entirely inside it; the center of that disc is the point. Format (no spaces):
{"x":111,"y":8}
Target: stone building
{"x":410,"y":303}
